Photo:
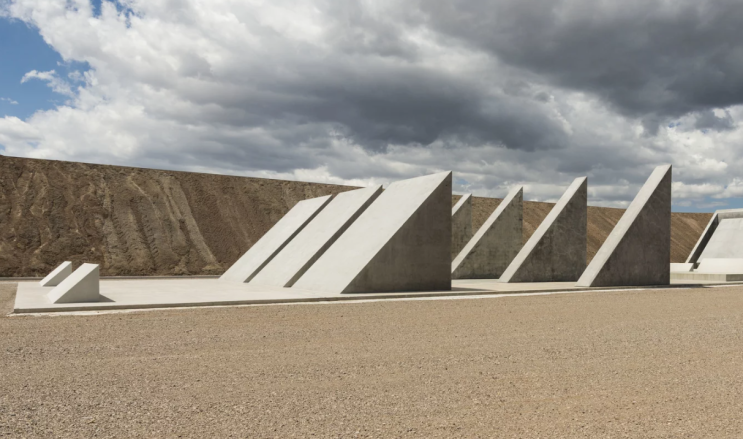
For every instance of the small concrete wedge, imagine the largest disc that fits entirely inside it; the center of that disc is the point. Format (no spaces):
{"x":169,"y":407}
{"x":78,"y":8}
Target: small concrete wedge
{"x":556,"y":252}
{"x":495,"y":243}
{"x":402,"y":242}
{"x":297,"y":257}
{"x":638,"y":249}
{"x":57,"y":275}
{"x":461,"y":224}
{"x":83,"y":285}
{"x":274,"y":240}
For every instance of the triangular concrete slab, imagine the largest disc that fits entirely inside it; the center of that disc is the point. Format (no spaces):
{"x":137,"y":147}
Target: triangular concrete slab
{"x":495,"y":243}
{"x":274,"y":240}
{"x":638,"y":249}
{"x":294,"y":260}
{"x":402,"y":242}
{"x":58,"y":275}
{"x":81,"y":286}
{"x":556,"y":252}
{"x":461,"y":224}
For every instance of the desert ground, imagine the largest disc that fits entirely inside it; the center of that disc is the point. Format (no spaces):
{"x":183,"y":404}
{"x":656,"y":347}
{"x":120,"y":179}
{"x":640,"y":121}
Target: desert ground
{"x":656,"y":363}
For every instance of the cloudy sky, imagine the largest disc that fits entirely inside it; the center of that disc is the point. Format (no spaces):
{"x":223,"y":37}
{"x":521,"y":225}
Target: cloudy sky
{"x":502,"y":92}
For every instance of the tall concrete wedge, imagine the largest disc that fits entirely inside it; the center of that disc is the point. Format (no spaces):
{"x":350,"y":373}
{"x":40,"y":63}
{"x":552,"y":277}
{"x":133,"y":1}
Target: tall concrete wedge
{"x":461,"y":224}
{"x":302,"y":251}
{"x":638,"y":249}
{"x":556,"y":252}
{"x":57,"y":275}
{"x":495,"y":244}
{"x":274,"y":240}
{"x":81,"y":286}
{"x":402,"y":242}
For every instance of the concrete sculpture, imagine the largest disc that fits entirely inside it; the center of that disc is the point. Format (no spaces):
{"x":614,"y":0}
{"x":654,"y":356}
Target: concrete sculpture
{"x":495,"y":244}
{"x":638,"y":249}
{"x":556,"y":252}
{"x":81,"y":286}
{"x":274,"y":240}
{"x":461,"y":224}
{"x":58,"y":275}
{"x":402,"y":242}
{"x":294,"y":260}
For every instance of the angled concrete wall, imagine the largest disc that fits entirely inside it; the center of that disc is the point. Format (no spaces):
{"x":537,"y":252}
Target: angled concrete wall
{"x":638,"y":249}
{"x":81,"y":286}
{"x":57,"y":275}
{"x":461,"y":224}
{"x":495,"y":244}
{"x":556,"y":252}
{"x":302,"y":251}
{"x":402,"y":242}
{"x":726,"y":244}
{"x":270,"y":244}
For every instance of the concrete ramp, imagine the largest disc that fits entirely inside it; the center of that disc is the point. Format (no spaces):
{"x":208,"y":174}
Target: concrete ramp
{"x":302,"y":251}
{"x":556,"y":252}
{"x":274,"y":240}
{"x":58,"y":275}
{"x":81,"y":286}
{"x":402,"y":242}
{"x":638,"y":250}
{"x":495,"y":244}
{"x":461,"y":224}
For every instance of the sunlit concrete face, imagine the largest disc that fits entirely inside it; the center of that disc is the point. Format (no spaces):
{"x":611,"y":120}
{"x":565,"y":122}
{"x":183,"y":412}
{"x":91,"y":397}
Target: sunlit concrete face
{"x":461,"y":224}
{"x":81,"y":286}
{"x":58,"y":275}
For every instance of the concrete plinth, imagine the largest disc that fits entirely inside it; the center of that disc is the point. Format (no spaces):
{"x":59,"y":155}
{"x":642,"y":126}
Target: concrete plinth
{"x":81,"y":286}
{"x":294,"y":260}
{"x":402,"y":242}
{"x":274,"y":240}
{"x":461,"y":224}
{"x":58,"y":275}
{"x":495,"y":244}
{"x":728,"y":243}
{"x":638,"y":250}
{"x":556,"y":252}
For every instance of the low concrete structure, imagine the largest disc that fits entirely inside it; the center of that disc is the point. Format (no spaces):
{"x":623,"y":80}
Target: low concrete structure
{"x":722,"y":238}
{"x":638,"y":250}
{"x":556,"y":252}
{"x":81,"y":286}
{"x":58,"y":275}
{"x":402,"y":242}
{"x":294,"y":260}
{"x":681,"y":267}
{"x":495,"y":244}
{"x":461,"y":224}
{"x":274,"y":240}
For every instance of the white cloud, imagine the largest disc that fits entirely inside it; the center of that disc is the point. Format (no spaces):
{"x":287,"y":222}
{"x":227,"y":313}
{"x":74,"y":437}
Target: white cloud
{"x":54,"y":82}
{"x":9,"y":100}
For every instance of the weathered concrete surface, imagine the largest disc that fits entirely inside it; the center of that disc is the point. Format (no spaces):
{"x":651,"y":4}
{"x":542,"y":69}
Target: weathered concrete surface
{"x":681,"y":267}
{"x":274,"y":240}
{"x":556,"y":252}
{"x":638,"y":250}
{"x":461,"y":224}
{"x":496,"y":242}
{"x":402,"y":242}
{"x":720,"y":265}
{"x":58,"y":275}
{"x":726,"y":241}
{"x":81,"y":286}
{"x":302,"y":251}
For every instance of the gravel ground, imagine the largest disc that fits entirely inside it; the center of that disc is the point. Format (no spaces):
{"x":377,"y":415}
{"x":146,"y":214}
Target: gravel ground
{"x":658,"y":363}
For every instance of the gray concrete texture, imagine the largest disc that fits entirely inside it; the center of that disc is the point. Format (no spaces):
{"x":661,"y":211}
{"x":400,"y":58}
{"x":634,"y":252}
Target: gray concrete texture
{"x":556,"y":252}
{"x":270,"y":244}
{"x":461,"y":224}
{"x":302,"y":251}
{"x":720,"y":247}
{"x":83,"y":285}
{"x":402,"y":242}
{"x":726,"y":241}
{"x":495,"y":243}
{"x":638,"y":249}
{"x":57,"y":275}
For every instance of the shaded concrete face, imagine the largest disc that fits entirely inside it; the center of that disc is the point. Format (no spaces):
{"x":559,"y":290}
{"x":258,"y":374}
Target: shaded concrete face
{"x":58,"y":275}
{"x":274,"y":240}
{"x":495,"y":244}
{"x":461,"y":224}
{"x":638,"y":250}
{"x":556,"y":252}
{"x":402,"y":242}
{"x":302,"y":251}
{"x":81,"y":286}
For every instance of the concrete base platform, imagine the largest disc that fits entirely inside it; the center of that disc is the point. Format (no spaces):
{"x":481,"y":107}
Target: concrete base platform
{"x":696,"y":277}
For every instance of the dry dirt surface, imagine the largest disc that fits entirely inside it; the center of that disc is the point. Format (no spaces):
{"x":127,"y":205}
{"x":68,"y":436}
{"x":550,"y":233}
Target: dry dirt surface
{"x":633,"y":364}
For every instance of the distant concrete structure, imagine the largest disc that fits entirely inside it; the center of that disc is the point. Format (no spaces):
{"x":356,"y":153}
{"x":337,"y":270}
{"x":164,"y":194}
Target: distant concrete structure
{"x":461,"y":224}
{"x":302,"y":251}
{"x":556,"y":252}
{"x":274,"y":240}
{"x":58,"y":275}
{"x":81,"y":286}
{"x":402,"y":242}
{"x":495,"y":244}
{"x":638,"y":250}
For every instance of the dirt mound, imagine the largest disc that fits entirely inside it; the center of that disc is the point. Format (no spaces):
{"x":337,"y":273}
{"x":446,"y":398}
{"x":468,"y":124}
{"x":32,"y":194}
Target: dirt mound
{"x":149,"y":222}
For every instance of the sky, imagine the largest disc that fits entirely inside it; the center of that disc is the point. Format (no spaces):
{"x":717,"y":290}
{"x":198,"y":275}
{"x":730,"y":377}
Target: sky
{"x":361,"y":92}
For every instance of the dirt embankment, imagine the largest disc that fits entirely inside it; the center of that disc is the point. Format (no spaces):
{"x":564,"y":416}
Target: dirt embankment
{"x":150,"y":222}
